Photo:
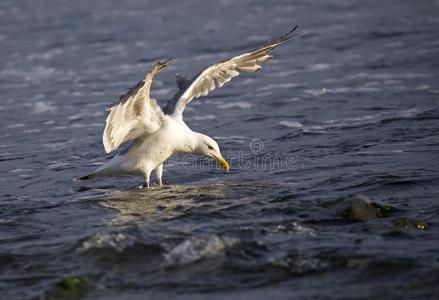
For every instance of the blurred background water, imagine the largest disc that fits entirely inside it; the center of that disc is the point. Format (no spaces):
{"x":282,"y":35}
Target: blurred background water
{"x":352,"y":106}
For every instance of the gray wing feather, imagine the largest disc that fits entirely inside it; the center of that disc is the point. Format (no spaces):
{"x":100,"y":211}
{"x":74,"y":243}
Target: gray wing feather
{"x":135,"y":113}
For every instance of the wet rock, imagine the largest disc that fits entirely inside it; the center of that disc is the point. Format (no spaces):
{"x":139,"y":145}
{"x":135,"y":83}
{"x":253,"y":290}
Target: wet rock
{"x":72,"y":284}
{"x":359,"y":207}
{"x":407,"y":223}
{"x":383,"y":210}
{"x":72,"y":287}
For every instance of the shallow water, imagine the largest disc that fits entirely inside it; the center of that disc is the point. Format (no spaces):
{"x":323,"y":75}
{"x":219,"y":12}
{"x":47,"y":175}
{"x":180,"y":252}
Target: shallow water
{"x":351,"y":107}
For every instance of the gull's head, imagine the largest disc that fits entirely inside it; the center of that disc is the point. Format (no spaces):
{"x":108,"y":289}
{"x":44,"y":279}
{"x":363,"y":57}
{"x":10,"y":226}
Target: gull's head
{"x":208,"y":147}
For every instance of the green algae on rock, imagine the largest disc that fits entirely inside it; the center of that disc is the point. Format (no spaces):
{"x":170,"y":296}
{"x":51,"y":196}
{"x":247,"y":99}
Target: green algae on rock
{"x":382,"y":210}
{"x":70,"y":287}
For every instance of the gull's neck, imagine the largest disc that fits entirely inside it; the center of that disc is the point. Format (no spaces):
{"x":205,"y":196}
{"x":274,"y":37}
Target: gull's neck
{"x":190,"y":142}
{"x":187,"y":140}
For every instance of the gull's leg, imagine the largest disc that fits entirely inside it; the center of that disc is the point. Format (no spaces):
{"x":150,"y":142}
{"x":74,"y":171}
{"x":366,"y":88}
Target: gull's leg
{"x":158,"y":173}
{"x":147,"y":180}
{"x":146,"y":174}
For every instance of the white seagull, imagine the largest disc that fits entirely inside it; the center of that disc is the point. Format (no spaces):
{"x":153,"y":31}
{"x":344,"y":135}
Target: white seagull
{"x":158,"y":133}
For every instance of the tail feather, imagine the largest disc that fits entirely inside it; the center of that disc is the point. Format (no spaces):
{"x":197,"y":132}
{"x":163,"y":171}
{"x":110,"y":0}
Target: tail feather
{"x":86,"y":177}
{"x":89,"y":176}
{"x":109,"y":169}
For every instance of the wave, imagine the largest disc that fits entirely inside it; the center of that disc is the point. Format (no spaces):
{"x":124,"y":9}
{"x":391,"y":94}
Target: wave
{"x":353,"y":122}
{"x":197,"y":248}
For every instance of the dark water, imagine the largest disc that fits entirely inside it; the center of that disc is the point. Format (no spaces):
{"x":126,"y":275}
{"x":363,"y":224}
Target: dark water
{"x":351,"y":107}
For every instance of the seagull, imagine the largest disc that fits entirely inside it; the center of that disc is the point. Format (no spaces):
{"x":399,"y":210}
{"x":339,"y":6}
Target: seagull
{"x":157,"y":133}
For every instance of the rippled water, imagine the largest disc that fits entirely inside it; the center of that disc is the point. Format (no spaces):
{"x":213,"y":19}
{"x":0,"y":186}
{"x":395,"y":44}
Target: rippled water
{"x":351,"y":107}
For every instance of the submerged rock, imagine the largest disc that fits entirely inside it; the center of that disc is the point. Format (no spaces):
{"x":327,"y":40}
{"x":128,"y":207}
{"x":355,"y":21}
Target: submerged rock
{"x":71,"y":287}
{"x":359,"y":207}
{"x":383,"y":210}
{"x":72,"y":284}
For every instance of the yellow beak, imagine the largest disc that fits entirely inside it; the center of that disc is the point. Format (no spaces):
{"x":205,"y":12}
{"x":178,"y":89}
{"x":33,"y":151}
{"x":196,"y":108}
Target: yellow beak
{"x":223,"y":163}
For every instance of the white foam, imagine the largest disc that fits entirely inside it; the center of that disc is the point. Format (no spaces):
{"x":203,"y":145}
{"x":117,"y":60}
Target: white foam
{"x":42,"y":107}
{"x":284,"y":74}
{"x":291,"y":124}
{"x":366,"y":119}
{"x":18,"y":125}
{"x":392,"y":82}
{"x":193,"y":249}
{"x":372,"y":83}
{"x":162,"y":91}
{"x":396,"y":151}
{"x":356,"y":121}
{"x":319,"y":67}
{"x":276,"y":86}
{"x":237,"y":104}
{"x":316,"y":92}
{"x":20,"y":171}
{"x":46,"y":55}
{"x":262,"y":95}
{"x":422,"y":87}
{"x":387,"y":76}
{"x":232,"y":137}
{"x":247,"y":81}
{"x":339,"y":90}
{"x":59,"y":128}
{"x":55,"y":145}
{"x":117,"y":241}
{"x":118,"y":48}
{"x":206,"y":117}
{"x":7,"y":146}
{"x":296,"y":227}
{"x":365,"y":89}
{"x":55,"y":166}
{"x":32,"y":130}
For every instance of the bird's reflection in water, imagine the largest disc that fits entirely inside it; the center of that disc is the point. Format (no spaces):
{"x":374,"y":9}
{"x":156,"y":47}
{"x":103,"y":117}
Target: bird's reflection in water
{"x":161,"y":203}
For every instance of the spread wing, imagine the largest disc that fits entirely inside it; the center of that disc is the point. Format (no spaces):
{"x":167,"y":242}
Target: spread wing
{"x":218,"y":74}
{"x":135,"y":113}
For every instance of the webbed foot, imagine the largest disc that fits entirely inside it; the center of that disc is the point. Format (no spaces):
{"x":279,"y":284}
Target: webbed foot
{"x":144,"y":186}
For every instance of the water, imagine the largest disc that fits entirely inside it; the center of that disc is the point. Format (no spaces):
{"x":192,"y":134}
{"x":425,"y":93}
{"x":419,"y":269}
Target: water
{"x":351,"y":107}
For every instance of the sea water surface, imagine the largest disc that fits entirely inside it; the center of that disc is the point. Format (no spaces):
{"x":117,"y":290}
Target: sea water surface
{"x":349,"y":108}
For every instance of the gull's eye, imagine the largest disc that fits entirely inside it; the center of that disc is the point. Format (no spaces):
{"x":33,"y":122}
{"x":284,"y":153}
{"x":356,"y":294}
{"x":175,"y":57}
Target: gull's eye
{"x":209,"y":147}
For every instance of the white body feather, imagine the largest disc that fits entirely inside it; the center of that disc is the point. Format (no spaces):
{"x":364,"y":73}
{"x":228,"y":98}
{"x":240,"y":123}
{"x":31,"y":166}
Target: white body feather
{"x":146,"y":154}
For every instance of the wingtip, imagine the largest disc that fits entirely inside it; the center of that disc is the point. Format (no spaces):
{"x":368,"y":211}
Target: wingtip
{"x":168,"y":61}
{"x":289,"y":32}
{"x":108,"y":149}
{"x":161,"y":64}
{"x":294,"y":29}
{"x":288,"y":36}
{"x":108,"y":145}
